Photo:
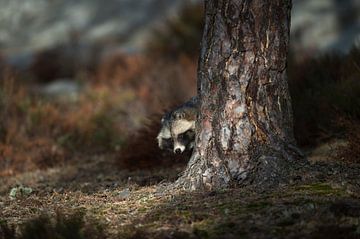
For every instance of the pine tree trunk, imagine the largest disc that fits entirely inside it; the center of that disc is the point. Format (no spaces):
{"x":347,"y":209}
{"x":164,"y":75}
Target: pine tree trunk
{"x":244,"y":128}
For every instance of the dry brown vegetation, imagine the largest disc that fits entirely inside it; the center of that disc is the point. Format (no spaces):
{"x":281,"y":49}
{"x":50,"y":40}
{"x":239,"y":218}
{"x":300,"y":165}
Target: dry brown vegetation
{"x":350,"y":152}
{"x":324,"y":91}
{"x":37,"y":132}
{"x":96,"y":171}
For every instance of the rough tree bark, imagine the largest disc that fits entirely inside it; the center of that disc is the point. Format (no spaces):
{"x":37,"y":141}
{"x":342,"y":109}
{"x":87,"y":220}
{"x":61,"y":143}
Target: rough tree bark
{"x":244,"y":128}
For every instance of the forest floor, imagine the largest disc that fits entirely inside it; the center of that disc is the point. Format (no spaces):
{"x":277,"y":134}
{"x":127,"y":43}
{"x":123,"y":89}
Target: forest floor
{"x":110,"y":203}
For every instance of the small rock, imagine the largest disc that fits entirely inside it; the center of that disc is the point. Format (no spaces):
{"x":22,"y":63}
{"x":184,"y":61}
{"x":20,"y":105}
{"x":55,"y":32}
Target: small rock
{"x":62,"y":89}
{"x":124,"y":194}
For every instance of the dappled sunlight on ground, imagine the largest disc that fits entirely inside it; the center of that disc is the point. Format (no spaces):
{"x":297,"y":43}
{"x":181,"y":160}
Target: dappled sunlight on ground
{"x":134,"y":203}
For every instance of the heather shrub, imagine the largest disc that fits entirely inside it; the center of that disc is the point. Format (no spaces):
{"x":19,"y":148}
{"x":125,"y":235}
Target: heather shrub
{"x":324,"y":90}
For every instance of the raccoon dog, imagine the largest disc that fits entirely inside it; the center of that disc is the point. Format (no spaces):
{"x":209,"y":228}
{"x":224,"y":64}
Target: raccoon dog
{"x":177,"y":131}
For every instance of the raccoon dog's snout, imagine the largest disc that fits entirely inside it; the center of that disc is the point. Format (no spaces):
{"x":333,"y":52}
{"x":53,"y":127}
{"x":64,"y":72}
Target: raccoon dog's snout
{"x":178,"y":149}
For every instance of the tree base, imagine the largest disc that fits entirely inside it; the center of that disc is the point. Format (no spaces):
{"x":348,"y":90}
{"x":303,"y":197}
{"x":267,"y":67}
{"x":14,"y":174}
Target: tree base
{"x":264,"y":172}
{"x":199,"y":175}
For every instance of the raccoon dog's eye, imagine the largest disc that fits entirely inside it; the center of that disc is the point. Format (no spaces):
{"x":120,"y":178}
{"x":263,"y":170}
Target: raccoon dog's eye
{"x":167,"y":143}
{"x":190,"y":133}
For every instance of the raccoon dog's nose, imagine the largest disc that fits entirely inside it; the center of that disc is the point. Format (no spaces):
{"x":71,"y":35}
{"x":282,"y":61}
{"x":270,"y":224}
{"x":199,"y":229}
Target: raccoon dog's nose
{"x":178,"y":151}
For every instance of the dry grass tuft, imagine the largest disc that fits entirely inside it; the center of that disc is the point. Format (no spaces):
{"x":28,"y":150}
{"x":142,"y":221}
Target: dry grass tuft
{"x":351,"y":151}
{"x":60,"y":226}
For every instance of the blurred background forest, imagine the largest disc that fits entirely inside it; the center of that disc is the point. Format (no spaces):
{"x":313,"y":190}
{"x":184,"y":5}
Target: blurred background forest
{"x":83,"y":85}
{"x":83,"y":78}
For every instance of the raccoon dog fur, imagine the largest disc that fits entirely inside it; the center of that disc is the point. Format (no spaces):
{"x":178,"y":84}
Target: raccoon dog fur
{"x":177,"y":131}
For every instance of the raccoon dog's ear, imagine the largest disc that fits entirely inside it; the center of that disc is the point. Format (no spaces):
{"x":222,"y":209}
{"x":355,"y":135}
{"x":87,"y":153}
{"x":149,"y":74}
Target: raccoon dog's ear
{"x":179,"y":115}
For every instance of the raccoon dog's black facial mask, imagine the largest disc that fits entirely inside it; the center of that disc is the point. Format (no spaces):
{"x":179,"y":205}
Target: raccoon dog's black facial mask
{"x":168,"y":144}
{"x":184,"y":141}
{"x":187,"y":137}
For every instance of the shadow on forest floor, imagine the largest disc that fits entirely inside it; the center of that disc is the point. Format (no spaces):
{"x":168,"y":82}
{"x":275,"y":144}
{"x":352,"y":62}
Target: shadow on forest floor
{"x":97,"y":199}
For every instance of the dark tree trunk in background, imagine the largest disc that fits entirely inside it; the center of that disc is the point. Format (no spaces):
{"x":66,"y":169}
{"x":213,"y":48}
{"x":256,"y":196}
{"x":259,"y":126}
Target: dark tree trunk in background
{"x":244,"y":130}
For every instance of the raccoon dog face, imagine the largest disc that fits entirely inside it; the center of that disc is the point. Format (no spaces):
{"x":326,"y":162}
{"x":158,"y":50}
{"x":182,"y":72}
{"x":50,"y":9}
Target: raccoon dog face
{"x":183,"y":135}
{"x":177,"y":133}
